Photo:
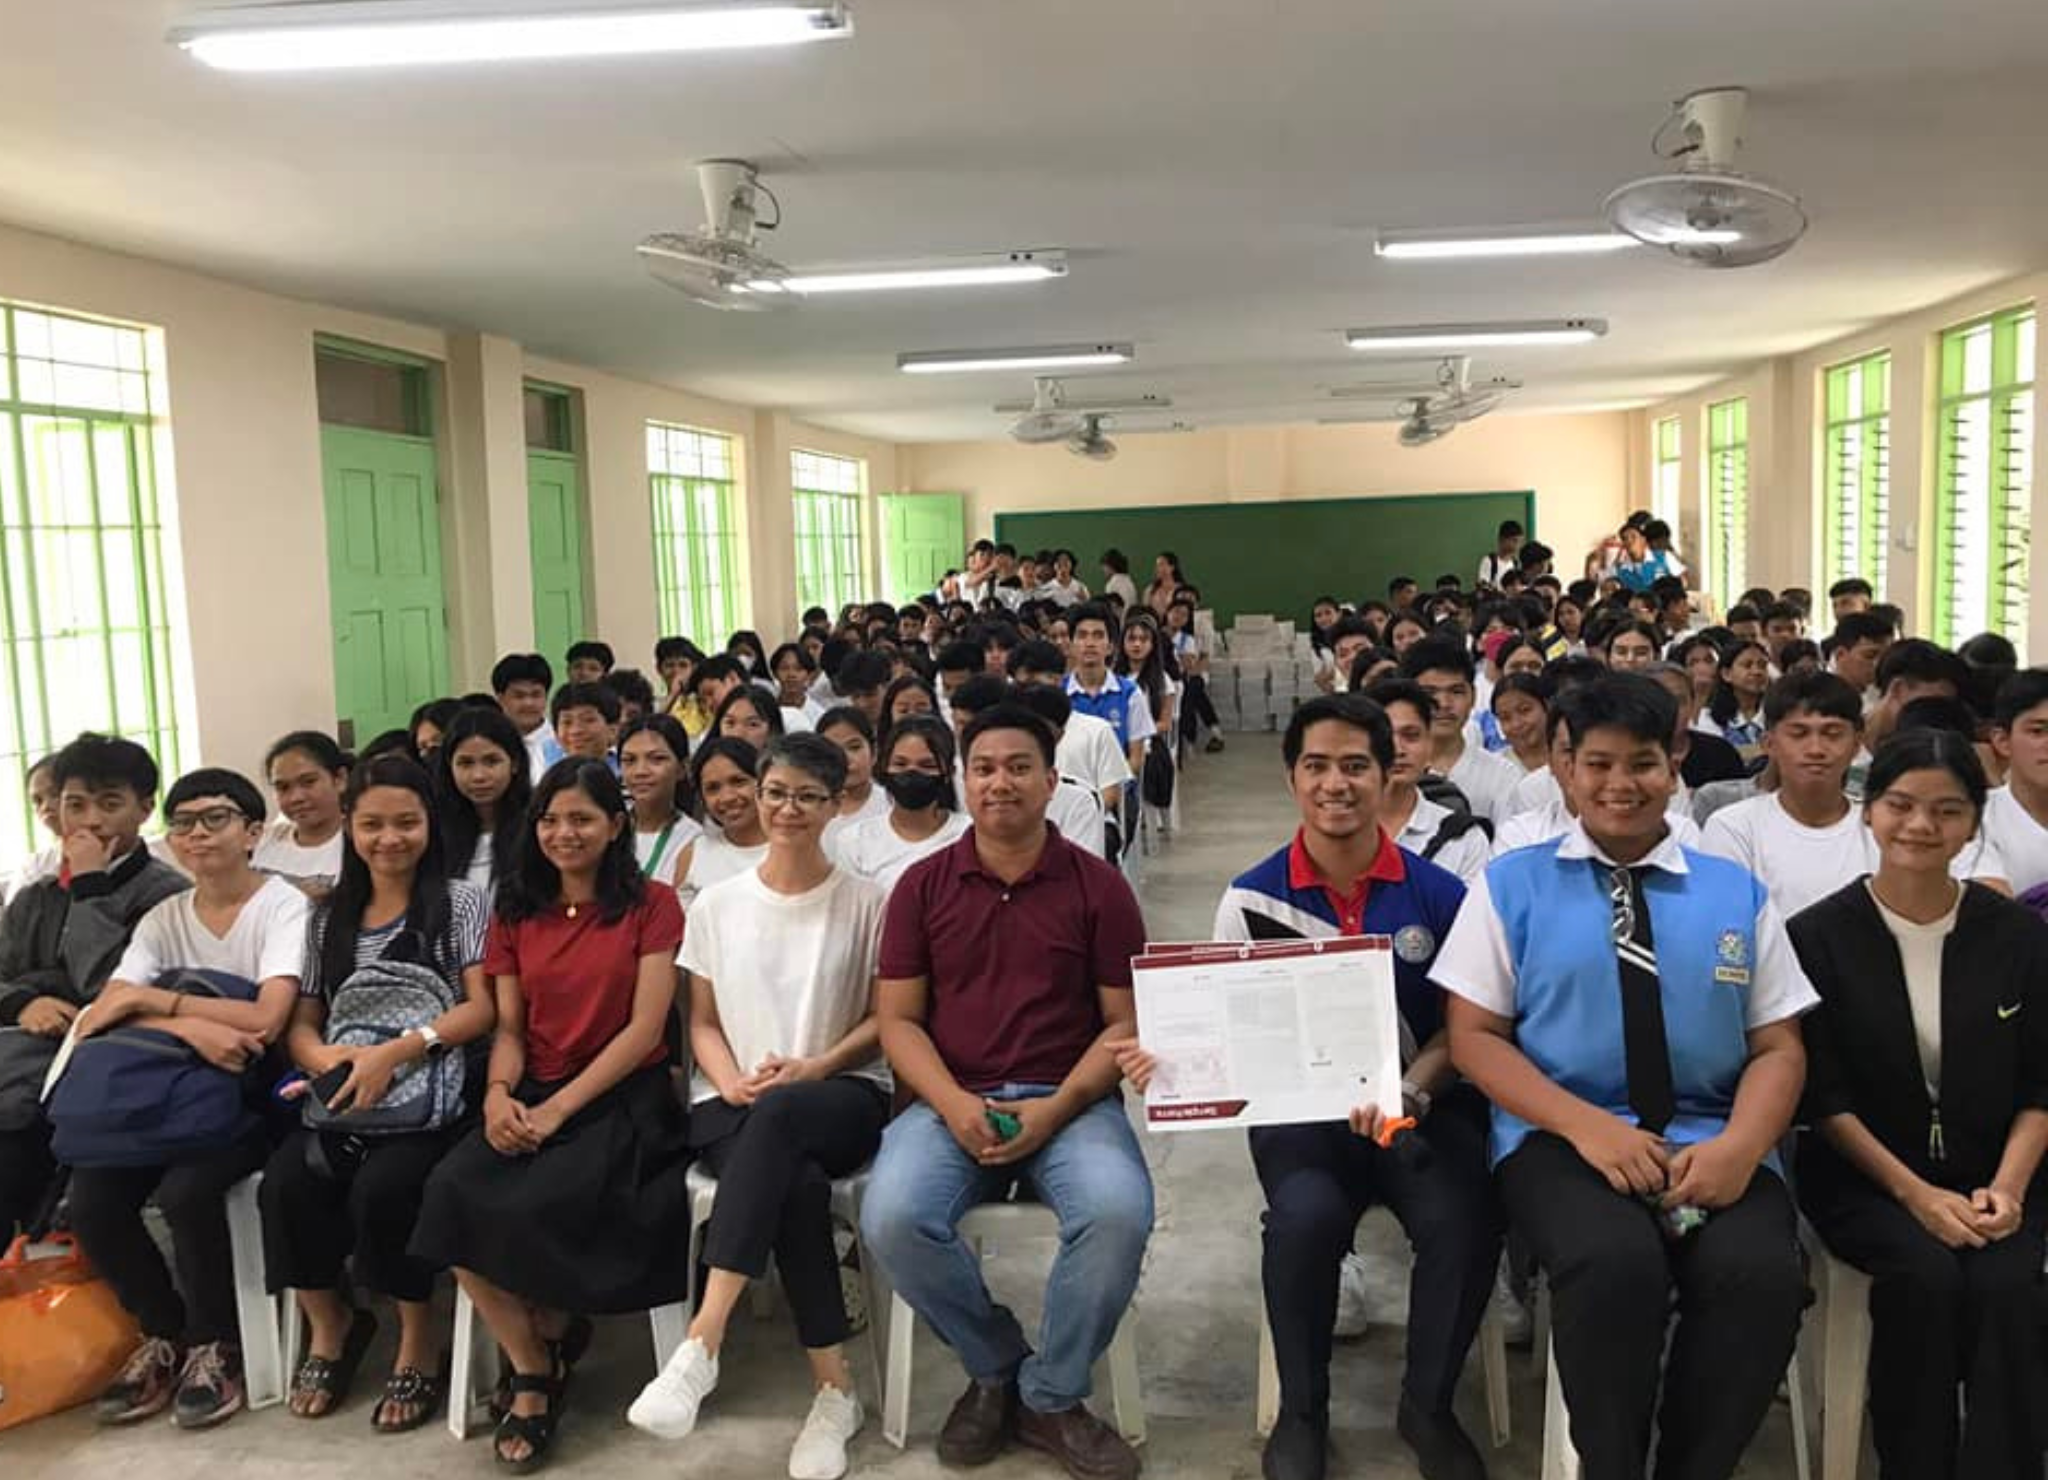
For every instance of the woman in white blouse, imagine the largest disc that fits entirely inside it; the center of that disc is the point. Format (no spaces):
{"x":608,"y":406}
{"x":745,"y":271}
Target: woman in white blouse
{"x":734,"y":840}
{"x":654,"y":756}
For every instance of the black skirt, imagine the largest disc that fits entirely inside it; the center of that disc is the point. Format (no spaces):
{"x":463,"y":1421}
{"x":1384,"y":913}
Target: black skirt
{"x":595,"y":1222}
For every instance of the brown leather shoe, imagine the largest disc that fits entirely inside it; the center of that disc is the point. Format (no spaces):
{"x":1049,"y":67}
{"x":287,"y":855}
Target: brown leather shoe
{"x":1089,"y":1448}
{"x":980,"y":1426}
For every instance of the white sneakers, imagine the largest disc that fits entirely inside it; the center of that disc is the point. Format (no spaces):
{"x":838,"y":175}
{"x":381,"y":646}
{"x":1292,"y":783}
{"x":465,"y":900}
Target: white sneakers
{"x":820,"y":1452}
{"x":1352,"y":1318}
{"x":667,"y":1406}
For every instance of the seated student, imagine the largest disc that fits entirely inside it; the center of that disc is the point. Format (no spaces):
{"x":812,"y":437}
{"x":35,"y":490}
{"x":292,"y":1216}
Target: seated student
{"x":46,"y":861}
{"x":1343,"y":640}
{"x":589,"y":661}
{"x":1700,"y":656}
{"x":654,"y":768}
{"x":302,"y":845}
{"x":1701,"y":758}
{"x":1075,"y":808}
{"x":1630,"y":645}
{"x":428,"y":724}
{"x":569,"y":1200}
{"x":1735,"y":713}
{"x":1912,"y":668}
{"x":751,"y":714}
{"x":523,"y":682}
{"x":2016,"y":815}
{"x":713,"y":681}
{"x":1556,"y":816}
{"x":1198,"y":713}
{"x":586,"y":721}
{"x":1343,"y":875}
{"x":482,"y":784}
{"x":329,"y":1198}
{"x":1521,"y":712}
{"x":790,"y":1091}
{"x":917,"y":760}
{"x":675,"y":660}
{"x":859,"y":681}
{"x":1539,"y":789}
{"x":62,"y":935}
{"x":1005,"y":964}
{"x":232,"y":920}
{"x":722,"y":775}
{"x":1443,"y":670}
{"x":859,"y":797}
{"x":635,"y":694}
{"x":960,"y":661}
{"x":794,"y":671}
{"x":1093,"y":689}
{"x":1925,"y":1092}
{"x":1745,"y":621}
{"x":1850,"y":597}
{"x":1783,"y":623}
{"x":1860,"y":641}
{"x":904,"y":697}
{"x":1630,"y":1100}
{"x":746,"y":646}
{"x":1089,"y":751}
{"x":1451,"y":839}
{"x":1674,"y":606}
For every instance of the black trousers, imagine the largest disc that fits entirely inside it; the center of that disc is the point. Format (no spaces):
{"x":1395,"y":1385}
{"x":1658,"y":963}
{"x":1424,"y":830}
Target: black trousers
{"x":775,"y":1161}
{"x":1195,"y":708}
{"x":1941,"y":1318}
{"x":26,"y":1170}
{"x":1319,"y":1180}
{"x":105,"y":1207}
{"x":313,"y":1222}
{"x":1740,"y":1290}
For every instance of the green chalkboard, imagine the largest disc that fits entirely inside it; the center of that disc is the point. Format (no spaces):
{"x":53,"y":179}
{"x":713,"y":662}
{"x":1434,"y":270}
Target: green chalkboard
{"x":1278,"y":557}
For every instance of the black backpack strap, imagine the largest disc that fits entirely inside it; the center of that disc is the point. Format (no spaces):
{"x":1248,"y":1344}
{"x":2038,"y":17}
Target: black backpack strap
{"x":1452,"y":828}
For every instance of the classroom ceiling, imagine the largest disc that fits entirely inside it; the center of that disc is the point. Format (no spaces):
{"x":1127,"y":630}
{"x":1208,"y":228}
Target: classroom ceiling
{"x":1215,"y":169}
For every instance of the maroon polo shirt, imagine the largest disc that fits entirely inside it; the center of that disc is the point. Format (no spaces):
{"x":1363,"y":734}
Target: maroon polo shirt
{"x":1012,"y":968}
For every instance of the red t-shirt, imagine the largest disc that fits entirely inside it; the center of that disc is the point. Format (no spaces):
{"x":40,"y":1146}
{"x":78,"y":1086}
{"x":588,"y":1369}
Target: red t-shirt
{"x":1012,"y":968}
{"x":578,"y":976}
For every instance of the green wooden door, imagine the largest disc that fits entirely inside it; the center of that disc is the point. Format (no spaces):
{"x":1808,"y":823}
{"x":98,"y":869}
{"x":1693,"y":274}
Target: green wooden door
{"x":555,"y":529}
{"x":924,"y":535}
{"x":384,"y":573}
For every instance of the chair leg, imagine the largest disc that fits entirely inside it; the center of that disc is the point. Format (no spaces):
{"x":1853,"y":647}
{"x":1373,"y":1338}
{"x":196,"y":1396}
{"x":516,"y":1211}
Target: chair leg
{"x":896,"y":1384}
{"x":1126,"y":1390}
{"x":1795,"y":1388}
{"x":291,"y":1325}
{"x":1493,"y":1360}
{"x":1560,"y":1456}
{"x":473,"y":1367}
{"x":670,"y":1324}
{"x":1845,"y":1369}
{"x":1269,"y":1378}
{"x":255,"y":1310}
{"x":880,"y":1300}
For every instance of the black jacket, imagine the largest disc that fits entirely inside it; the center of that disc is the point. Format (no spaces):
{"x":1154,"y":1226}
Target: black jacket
{"x":64,"y":941}
{"x":1862,"y":1057}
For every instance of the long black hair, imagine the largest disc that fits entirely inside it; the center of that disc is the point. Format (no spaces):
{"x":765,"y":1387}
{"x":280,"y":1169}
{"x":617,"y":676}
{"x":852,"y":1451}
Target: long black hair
{"x":340,"y":921}
{"x":1724,"y":705}
{"x":1151,"y":677}
{"x":768,"y":706}
{"x":672,"y":734}
{"x":533,"y":885}
{"x":460,"y":825}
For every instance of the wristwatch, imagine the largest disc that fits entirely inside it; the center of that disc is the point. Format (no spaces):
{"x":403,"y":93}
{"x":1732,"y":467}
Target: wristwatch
{"x":1419,"y":1096}
{"x":428,"y":1036}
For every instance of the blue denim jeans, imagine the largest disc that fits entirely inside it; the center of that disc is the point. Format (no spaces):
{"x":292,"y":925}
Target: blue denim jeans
{"x":1091,"y":1175}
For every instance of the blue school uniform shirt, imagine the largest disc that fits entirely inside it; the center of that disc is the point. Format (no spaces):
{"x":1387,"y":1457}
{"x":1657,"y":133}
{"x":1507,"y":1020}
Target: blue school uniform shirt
{"x":1113,"y":703}
{"x":1402,"y":896}
{"x":1534,"y":942}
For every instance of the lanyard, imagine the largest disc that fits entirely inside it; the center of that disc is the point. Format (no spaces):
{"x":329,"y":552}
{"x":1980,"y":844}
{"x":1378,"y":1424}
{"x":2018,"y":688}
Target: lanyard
{"x":660,"y":847}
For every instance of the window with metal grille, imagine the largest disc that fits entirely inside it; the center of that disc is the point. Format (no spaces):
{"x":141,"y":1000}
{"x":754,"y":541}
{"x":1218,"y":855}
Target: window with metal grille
{"x":1728,"y":496}
{"x":85,"y":624}
{"x":1666,"y":470}
{"x":1983,"y":473}
{"x":828,"y":494}
{"x":696,"y":533}
{"x":1856,"y":470}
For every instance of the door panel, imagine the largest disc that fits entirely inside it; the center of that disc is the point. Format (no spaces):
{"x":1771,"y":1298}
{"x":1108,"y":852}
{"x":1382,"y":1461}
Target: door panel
{"x":555,"y":531}
{"x":924,"y":535}
{"x":390,"y":618}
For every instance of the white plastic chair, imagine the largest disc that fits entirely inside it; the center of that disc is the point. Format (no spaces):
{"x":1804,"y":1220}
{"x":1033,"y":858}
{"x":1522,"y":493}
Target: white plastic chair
{"x":1845,"y":1362}
{"x":1021,"y":1220}
{"x":255,"y":1308}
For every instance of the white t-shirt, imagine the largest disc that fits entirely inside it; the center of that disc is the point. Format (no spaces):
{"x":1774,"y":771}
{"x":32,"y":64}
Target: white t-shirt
{"x":791,"y":974}
{"x":44,"y":863}
{"x":1076,"y":810}
{"x":1920,"y":948}
{"x":681,"y":831}
{"x":877,"y":805}
{"x":1465,"y":855}
{"x":1801,"y":865}
{"x":268,"y":938}
{"x":277,"y":854}
{"x":713,"y":859}
{"x":874,"y":849}
{"x":1122,"y":585}
{"x":1088,"y":752}
{"x":2020,"y":841}
{"x":1488,"y":781}
{"x":479,"y":871}
{"x":1536,"y":790}
{"x":1070,"y":593}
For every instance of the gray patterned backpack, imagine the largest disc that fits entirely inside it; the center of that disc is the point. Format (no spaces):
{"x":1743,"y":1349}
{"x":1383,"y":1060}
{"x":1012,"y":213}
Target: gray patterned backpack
{"x":377,"y":1003}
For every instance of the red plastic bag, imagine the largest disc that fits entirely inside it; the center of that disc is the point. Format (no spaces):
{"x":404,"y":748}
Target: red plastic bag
{"x":63,"y":1335}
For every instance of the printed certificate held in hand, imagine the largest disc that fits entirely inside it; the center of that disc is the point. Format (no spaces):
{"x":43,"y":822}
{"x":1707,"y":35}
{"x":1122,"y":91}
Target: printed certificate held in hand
{"x":1268,"y":1033}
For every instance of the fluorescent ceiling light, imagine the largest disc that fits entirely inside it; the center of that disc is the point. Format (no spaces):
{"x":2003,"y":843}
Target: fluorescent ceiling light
{"x":1468,"y":336}
{"x":333,"y":34}
{"x":1013,"y":267}
{"x":1691,"y":236}
{"x":1042,"y":357}
{"x":1498,"y":242}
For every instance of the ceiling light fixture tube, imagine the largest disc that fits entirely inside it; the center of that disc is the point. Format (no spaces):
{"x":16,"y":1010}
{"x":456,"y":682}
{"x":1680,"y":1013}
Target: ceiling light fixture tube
{"x":337,"y":34}
{"x":1439,"y":246}
{"x":1014,"y":267}
{"x":1041,"y":357}
{"x":1473,"y":336}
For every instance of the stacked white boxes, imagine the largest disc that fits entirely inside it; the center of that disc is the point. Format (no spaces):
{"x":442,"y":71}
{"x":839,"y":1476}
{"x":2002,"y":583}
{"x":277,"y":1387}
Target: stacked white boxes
{"x":1258,"y":679}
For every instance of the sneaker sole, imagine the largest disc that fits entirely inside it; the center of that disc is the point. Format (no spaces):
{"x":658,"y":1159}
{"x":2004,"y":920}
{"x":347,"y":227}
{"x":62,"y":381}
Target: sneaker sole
{"x":208,"y":1420}
{"x":132,"y":1415}
{"x":659,"y":1428}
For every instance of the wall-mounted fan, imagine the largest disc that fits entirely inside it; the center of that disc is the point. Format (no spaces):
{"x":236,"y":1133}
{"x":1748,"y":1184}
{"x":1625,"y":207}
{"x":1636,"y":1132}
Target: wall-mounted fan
{"x":715,"y":266}
{"x":1707,"y":212}
{"x":1089,"y":441}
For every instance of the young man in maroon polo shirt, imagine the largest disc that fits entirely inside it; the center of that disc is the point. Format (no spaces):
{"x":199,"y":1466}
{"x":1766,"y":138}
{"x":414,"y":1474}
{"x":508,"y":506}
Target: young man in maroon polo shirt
{"x":1005,"y":966}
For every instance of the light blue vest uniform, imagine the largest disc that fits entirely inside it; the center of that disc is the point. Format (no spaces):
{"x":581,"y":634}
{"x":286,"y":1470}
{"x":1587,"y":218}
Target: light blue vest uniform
{"x":1558,"y":918}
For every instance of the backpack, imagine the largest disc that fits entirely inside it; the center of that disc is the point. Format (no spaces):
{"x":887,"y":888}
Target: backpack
{"x":1453,"y":828}
{"x":136,"y":1097}
{"x":1155,"y":782}
{"x":379,"y":1002}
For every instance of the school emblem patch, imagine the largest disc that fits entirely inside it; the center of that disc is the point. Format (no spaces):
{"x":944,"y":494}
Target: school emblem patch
{"x":1414,"y":944}
{"x":1731,"y":958}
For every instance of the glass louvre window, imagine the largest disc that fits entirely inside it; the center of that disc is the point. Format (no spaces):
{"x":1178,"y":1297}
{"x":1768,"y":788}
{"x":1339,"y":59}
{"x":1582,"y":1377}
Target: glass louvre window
{"x":85,"y":628}
{"x":696,"y":533}
{"x":1856,"y":448}
{"x":1728,"y":496}
{"x":828,"y":511}
{"x":1666,"y":467}
{"x":1983,"y":475}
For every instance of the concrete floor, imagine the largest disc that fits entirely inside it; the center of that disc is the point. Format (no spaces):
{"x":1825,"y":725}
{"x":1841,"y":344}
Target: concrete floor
{"x":1198,"y":1311}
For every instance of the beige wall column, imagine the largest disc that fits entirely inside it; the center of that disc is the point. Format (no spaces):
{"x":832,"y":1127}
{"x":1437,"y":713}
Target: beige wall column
{"x":489,"y":561}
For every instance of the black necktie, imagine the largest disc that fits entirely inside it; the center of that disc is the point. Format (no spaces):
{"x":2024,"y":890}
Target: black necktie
{"x":1643,"y":1045}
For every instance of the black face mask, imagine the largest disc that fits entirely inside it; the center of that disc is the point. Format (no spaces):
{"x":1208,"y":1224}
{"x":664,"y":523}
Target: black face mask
{"x":916,"y":790}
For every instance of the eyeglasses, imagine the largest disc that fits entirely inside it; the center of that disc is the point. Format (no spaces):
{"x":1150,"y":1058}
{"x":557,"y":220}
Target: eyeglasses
{"x":773,"y":797}
{"x":212,"y":820}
